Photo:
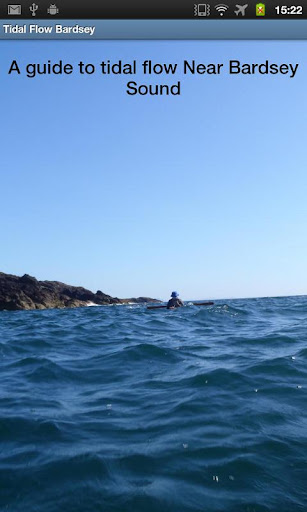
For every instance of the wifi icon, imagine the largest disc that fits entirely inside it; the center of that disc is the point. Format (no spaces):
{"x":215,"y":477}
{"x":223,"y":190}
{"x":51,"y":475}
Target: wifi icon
{"x":221,"y":8}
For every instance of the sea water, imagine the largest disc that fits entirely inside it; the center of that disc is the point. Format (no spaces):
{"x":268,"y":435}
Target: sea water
{"x":125,"y":409}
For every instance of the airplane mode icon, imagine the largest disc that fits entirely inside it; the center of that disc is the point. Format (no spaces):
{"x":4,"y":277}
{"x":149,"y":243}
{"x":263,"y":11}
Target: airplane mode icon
{"x":241,"y":9}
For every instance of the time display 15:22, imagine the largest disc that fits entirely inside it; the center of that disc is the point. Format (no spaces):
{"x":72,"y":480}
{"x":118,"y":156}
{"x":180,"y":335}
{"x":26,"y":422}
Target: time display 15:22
{"x":289,"y":9}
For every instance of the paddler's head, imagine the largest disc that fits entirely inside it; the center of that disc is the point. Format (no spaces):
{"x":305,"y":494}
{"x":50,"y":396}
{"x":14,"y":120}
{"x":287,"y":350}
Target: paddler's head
{"x":175,"y":294}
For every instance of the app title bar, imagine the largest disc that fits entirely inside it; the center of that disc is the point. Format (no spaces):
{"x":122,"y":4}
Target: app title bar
{"x":153,"y":29}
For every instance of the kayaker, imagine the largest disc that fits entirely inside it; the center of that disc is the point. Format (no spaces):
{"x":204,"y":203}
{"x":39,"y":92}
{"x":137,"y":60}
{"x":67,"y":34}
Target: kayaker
{"x":174,"y":302}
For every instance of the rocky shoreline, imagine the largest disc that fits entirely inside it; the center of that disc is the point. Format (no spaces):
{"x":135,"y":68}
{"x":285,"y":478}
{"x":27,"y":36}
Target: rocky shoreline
{"x":26,"y":292}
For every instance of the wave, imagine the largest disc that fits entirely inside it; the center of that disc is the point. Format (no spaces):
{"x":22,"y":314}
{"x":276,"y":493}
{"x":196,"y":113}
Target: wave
{"x":122,"y":409}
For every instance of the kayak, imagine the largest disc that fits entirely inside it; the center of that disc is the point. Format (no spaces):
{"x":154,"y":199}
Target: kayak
{"x":194,"y":304}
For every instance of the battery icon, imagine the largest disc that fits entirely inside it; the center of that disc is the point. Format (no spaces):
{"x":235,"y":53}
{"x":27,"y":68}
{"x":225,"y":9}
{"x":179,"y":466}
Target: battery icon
{"x":260,"y":9}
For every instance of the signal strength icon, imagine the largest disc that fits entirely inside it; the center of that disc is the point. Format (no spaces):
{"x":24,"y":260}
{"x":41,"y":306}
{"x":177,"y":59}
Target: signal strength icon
{"x":221,"y":8}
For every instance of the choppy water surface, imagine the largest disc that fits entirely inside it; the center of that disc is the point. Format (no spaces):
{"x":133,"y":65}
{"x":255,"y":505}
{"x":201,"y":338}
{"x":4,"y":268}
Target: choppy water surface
{"x":125,"y":409}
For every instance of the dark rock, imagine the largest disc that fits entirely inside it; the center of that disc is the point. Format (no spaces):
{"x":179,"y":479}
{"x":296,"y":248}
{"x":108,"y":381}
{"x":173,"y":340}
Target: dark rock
{"x":26,"y":292}
{"x":139,"y":300}
{"x":28,"y":279}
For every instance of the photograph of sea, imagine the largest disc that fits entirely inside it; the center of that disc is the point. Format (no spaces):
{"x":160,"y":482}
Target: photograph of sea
{"x":124,"y":408}
{"x":153,"y":285}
